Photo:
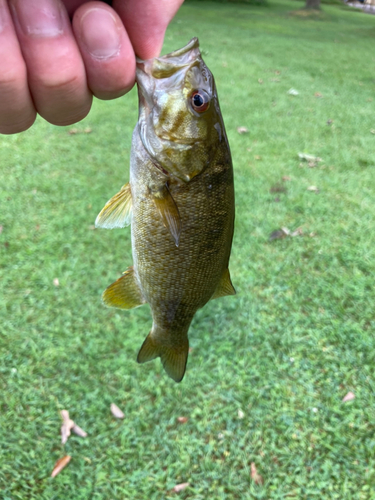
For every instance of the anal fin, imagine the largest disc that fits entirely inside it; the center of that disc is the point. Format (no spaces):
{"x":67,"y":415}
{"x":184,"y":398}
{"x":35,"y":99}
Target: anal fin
{"x":124,"y":293}
{"x":225,"y":286}
{"x":117,"y":211}
{"x":169,"y":213}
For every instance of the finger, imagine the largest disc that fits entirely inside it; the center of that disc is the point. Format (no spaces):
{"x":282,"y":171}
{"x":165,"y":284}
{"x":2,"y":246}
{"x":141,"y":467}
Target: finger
{"x":17,"y":112}
{"x":146,"y":22}
{"x":72,"y":5}
{"x":55,"y":68}
{"x":106,"y":50}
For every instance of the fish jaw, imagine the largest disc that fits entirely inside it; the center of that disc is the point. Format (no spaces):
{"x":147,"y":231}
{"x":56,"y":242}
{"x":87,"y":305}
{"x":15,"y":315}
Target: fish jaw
{"x":178,"y":138}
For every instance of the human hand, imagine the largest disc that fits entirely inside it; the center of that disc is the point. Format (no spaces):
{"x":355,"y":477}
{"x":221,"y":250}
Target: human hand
{"x":52,"y":66}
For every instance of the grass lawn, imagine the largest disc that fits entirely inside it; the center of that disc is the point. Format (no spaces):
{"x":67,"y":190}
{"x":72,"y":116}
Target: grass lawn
{"x":284,"y":352}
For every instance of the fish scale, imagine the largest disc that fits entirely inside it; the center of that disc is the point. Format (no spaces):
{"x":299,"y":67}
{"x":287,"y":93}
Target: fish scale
{"x":179,"y":201}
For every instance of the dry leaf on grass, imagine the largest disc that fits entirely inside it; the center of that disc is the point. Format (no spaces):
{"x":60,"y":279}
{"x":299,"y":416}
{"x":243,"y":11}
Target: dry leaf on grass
{"x":255,"y":476}
{"x":297,"y":232}
{"x":260,"y":81}
{"x":279,"y":234}
{"x":182,"y":420}
{"x":75,"y":130}
{"x":60,"y":464}
{"x":116,"y":412}
{"x":180,"y":487}
{"x":348,"y":397}
{"x":318,"y":94}
{"x":66,"y":427}
{"x":242,"y":130}
{"x":1,"y":229}
{"x":286,"y":178}
{"x":311,"y":160}
{"x":278,"y":188}
{"x":283,"y":232}
{"x":69,"y":425}
{"x":80,"y":432}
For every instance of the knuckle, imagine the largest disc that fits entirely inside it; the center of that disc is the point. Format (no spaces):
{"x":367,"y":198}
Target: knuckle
{"x":59,"y":83}
{"x":12,"y":79}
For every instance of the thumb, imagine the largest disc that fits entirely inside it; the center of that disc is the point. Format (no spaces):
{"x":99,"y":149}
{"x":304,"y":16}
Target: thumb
{"x":146,"y":22}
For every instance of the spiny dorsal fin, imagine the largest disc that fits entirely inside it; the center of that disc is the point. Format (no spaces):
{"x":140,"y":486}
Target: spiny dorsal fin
{"x":174,"y":358}
{"x":117,"y":211}
{"x":124,"y":293}
{"x":225,"y":286}
{"x":169,"y":212}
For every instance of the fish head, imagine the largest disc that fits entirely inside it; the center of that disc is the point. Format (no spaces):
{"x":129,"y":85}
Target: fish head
{"x":180,"y":123}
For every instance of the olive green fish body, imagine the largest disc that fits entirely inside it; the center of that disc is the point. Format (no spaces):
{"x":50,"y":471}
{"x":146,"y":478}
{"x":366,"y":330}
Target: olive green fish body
{"x":176,"y":281}
{"x":181,"y":197}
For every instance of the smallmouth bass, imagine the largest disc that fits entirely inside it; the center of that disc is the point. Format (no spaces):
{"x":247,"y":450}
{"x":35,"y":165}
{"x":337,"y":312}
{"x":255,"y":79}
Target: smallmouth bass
{"x":179,"y":201}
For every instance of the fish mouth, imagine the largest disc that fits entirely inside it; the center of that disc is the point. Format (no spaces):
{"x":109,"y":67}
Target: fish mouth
{"x":193,"y":44}
{"x":168,"y":65}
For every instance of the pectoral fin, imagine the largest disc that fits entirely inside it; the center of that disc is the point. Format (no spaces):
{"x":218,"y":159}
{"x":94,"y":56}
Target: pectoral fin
{"x":169,"y":212}
{"x":117,"y":211}
{"x":124,"y":293}
{"x":225,"y":286}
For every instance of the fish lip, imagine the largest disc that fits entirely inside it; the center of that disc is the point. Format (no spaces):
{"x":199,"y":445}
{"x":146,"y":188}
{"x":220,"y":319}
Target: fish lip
{"x":193,"y":44}
{"x":168,"y":65}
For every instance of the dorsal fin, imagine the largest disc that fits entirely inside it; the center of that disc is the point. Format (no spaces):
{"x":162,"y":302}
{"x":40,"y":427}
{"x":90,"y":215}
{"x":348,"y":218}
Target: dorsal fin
{"x":117,"y":211}
{"x":225,"y":286}
{"x":124,"y":293}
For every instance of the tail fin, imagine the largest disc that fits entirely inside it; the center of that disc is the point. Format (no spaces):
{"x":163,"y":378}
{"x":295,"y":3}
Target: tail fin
{"x":174,"y":358}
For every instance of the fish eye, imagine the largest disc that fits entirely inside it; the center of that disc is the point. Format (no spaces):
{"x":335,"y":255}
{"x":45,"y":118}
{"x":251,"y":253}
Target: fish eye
{"x":200,"y":101}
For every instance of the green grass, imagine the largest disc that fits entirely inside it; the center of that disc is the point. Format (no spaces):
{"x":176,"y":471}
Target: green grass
{"x":298,"y":336}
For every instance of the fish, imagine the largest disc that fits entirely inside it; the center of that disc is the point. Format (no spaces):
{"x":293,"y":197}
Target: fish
{"x":179,"y":201}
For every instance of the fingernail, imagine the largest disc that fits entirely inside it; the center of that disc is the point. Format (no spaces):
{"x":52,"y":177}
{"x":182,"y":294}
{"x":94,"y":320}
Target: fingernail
{"x":100,"y":33}
{"x":39,"y":18}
